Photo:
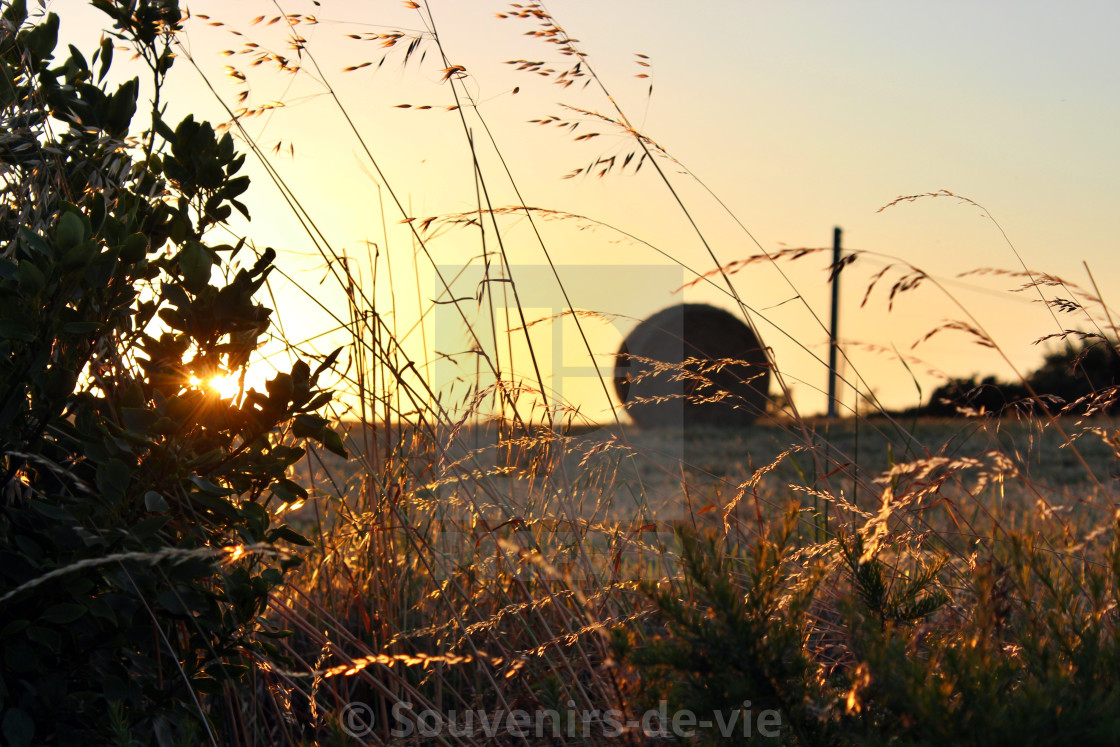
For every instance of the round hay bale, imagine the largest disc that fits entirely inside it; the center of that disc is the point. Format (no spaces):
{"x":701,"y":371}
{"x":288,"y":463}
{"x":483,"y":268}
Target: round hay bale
{"x":728,"y":383}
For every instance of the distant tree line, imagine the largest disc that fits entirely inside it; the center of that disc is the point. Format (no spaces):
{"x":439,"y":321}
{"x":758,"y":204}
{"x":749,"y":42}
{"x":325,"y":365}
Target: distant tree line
{"x":1081,"y":378}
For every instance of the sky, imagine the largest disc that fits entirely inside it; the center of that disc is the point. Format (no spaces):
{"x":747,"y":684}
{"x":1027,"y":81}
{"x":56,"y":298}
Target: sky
{"x":781,"y":121}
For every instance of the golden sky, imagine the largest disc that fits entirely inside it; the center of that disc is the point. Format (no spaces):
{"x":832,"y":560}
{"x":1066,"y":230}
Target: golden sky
{"x":782,"y":120}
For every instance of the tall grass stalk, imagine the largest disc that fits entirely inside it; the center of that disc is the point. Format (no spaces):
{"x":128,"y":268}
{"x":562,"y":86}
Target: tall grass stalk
{"x":492,"y":552}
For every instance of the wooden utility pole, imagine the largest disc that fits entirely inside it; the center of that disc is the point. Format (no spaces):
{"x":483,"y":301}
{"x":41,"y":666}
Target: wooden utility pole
{"x":834,"y":325}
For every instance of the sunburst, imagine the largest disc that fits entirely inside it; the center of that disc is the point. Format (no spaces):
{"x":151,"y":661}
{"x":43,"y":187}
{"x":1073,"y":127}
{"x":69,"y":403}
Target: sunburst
{"x":227,"y":386}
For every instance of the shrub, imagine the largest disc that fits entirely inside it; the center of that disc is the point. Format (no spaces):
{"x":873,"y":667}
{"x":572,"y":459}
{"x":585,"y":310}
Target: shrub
{"x":1019,"y":648}
{"x":732,"y":633}
{"x":135,"y":554}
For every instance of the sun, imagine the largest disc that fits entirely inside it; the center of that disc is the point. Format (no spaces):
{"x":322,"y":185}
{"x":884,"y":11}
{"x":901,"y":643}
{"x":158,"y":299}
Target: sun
{"x":226,"y":386}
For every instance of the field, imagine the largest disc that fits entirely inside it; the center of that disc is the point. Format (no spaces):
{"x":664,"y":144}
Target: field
{"x":1065,"y":463}
{"x":574,"y":528}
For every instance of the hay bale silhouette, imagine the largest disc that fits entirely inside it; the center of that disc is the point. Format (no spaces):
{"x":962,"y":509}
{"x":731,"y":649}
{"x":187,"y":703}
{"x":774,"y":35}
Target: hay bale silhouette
{"x":727,"y":384}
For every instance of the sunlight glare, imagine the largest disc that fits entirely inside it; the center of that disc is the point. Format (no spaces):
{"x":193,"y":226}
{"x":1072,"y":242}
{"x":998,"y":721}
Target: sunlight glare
{"x":226,"y":386}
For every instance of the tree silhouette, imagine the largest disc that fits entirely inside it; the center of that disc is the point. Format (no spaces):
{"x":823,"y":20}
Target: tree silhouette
{"x":1080,"y":378}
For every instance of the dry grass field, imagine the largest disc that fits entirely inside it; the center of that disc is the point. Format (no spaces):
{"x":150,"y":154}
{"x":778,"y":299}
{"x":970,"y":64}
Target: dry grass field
{"x":1067,"y":463}
{"x":536,"y":546}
